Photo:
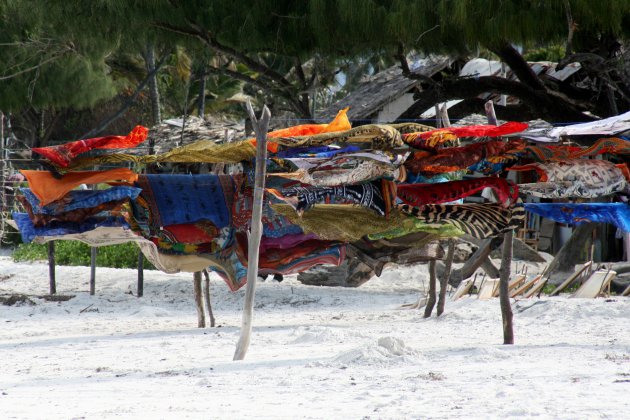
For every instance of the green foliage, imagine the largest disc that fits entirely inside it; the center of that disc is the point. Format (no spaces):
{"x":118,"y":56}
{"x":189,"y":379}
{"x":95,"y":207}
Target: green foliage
{"x":554,"y":52}
{"x":78,"y":254}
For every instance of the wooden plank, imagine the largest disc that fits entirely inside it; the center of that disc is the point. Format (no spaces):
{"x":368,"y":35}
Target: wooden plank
{"x":525,"y":286}
{"x":463,"y":288}
{"x":595,"y":284}
{"x":488,"y":288}
{"x":537,"y":287}
{"x":571,"y":278}
{"x":515,"y":282}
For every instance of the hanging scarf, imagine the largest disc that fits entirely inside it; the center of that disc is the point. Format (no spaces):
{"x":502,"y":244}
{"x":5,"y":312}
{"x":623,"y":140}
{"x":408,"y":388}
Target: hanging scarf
{"x":617,"y":214}
{"x":47,"y":188}
{"x":376,"y":196}
{"x":608,"y":126}
{"x":457,"y":158}
{"x":438,"y":140}
{"x":438,"y":136}
{"x":75,"y":216}
{"x":590,"y":178}
{"x":373,"y":136}
{"x":61,"y":155}
{"x":175,"y":199}
{"x":315,"y":152}
{"x":478,"y":220}
{"x":421,"y":194}
{"x":79,"y":199}
{"x":545,"y":153}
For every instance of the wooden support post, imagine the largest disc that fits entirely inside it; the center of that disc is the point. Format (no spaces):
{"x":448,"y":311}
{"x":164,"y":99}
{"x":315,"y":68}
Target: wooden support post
{"x":92,"y":270}
{"x":504,"y":293}
{"x":490,"y":114}
{"x":446,"y":122}
{"x":201,"y":317}
{"x":432,"y":286}
{"x":446,"y":277}
{"x":206,"y":295}
{"x":438,"y":121}
{"x":140,"y":274}
{"x":260,"y":127}
{"x":51,"y":268}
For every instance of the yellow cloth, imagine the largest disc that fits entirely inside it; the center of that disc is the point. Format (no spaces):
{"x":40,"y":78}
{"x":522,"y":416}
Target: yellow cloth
{"x":375,"y":135}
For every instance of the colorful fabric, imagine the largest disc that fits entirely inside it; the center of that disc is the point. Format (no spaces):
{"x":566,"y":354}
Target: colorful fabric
{"x":374,"y":136}
{"x":47,"y":188}
{"x":458,"y":158}
{"x":411,"y":225}
{"x":567,"y":189}
{"x":99,"y":236}
{"x":617,"y":214}
{"x":421,"y":194}
{"x":478,"y":220}
{"x":411,"y":127}
{"x":590,"y":178}
{"x":61,"y":155}
{"x":79,"y":199}
{"x":474,"y":131}
{"x":437,"y":141}
{"x":75,"y":216}
{"x":176,"y":199}
{"x":28,"y":231}
{"x":377,"y":196}
{"x":316,"y":152}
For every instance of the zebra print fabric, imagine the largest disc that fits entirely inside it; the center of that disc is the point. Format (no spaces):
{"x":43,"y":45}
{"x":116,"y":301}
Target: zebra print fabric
{"x":477,"y":220}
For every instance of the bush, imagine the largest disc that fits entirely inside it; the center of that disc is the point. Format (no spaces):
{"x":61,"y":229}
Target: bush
{"x":77,"y":253}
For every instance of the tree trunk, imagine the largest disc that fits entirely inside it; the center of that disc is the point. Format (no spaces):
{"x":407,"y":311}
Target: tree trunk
{"x":154,"y":92}
{"x":201,"y":316}
{"x":206,"y":295}
{"x":201,"y":99}
{"x":572,"y":251}
{"x":504,"y":293}
{"x":260,"y":127}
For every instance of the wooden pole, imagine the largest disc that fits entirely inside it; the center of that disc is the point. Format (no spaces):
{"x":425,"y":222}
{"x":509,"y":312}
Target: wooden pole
{"x":446,"y":122}
{"x":92,"y":270}
{"x":51,"y":267}
{"x":206,"y":295}
{"x":504,"y":293}
{"x":446,"y":277}
{"x":140,"y":274}
{"x":260,"y":127}
{"x":201,"y":317}
{"x":432,"y":285}
{"x":490,"y":114}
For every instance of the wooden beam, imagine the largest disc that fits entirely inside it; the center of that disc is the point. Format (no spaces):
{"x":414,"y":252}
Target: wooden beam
{"x":51,"y":268}
{"x":260,"y":127}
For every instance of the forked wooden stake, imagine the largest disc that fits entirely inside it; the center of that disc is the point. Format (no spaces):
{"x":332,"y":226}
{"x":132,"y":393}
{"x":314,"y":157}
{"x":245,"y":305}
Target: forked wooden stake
{"x":260,"y":128}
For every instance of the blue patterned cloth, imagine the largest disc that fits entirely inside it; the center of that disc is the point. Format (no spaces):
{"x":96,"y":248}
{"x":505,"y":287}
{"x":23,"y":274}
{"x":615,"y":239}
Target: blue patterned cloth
{"x":29,"y":232}
{"x":315,"y":152}
{"x":617,"y":214}
{"x":79,"y":199}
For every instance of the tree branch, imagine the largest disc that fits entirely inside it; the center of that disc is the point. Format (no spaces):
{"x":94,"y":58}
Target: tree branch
{"x":517,"y":63}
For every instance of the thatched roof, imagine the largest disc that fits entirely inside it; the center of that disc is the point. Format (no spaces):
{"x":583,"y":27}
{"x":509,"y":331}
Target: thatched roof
{"x":382,"y":88}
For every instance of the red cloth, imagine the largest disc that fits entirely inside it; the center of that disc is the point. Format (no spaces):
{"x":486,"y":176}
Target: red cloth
{"x":421,"y":194}
{"x":479,"y":130}
{"x":457,"y":158}
{"x":62,"y":154}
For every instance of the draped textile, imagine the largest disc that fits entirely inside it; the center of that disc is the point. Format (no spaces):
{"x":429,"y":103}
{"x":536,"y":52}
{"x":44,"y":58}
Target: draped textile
{"x":457,"y":158}
{"x":48,"y":188}
{"x":568,"y":189}
{"x":377,"y":196}
{"x":411,"y":127}
{"x":441,"y":135}
{"x":315,"y":152}
{"x":373,"y":136}
{"x":617,"y":214}
{"x":344,"y":170}
{"x":340,"y":222}
{"x":478,"y":220}
{"x":412,"y":225}
{"x":202,"y":151}
{"x":591,"y":178}
{"x":61,"y":155}
{"x":339,"y":123}
{"x":543,"y":153}
{"x":421,"y":194}
{"x":437,"y":141}
{"x":99,"y":236}
{"x":28,"y":231}
{"x":608,"y":126}
{"x":75,"y":216}
{"x":79,"y":199}
{"x":175,"y":199}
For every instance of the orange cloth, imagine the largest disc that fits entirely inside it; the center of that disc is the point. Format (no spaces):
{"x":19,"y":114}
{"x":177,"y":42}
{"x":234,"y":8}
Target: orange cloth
{"x":48,"y":188}
{"x":340,"y":123}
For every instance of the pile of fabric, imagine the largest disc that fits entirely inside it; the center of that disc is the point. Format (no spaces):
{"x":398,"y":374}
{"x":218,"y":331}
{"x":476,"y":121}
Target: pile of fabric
{"x":328,"y":186}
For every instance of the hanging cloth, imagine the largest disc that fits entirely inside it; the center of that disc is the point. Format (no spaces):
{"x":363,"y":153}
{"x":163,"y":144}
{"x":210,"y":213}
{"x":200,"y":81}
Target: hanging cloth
{"x":617,"y":214}
{"x":438,"y":136}
{"x":48,"y":188}
{"x":608,"y":126}
{"x":421,"y":194}
{"x":63,"y":154}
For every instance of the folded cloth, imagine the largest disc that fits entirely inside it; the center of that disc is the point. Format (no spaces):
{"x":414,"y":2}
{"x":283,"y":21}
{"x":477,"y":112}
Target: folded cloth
{"x":315,"y":152}
{"x":608,"y":126}
{"x":61,"y":155}
{"x":375,"y":136}
{"x":48,"y":188}
{"x":617,"y":214}
{"x":590,"y":178}
{"x":478,"y":220}
{"x":76,"y":215}
{"x":421,"y":194}
{"x":176,"y":199}
{"x":441,"y":135}
{"x":377,"y":196}
{"x":80,"y":199}
{"x":29,"y":232}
